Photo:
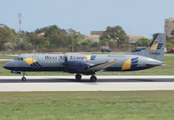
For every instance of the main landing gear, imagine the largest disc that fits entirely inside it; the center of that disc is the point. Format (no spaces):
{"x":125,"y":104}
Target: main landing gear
{"x":78,"y":77}
{"x":24,"y":78}
{"x":93,"y":78}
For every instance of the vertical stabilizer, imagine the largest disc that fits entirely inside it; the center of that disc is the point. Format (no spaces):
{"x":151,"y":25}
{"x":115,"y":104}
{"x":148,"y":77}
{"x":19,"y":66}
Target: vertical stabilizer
{"x":156,"y":48}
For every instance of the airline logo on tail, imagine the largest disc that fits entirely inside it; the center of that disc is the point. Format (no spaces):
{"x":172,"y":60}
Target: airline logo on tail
{"x":160,"y":45}
{"x":156,"y":46}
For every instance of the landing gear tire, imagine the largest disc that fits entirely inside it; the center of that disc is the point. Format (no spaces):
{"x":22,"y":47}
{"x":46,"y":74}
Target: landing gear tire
{"x":93,"y":78}
{"x":78,"y":77}
{"x":24,"y":79}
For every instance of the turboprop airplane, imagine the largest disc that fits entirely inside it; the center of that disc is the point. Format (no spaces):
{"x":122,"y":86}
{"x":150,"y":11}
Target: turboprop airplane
{"x":90,"y":64}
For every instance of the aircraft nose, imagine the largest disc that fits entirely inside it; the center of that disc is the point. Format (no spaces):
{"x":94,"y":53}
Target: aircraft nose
{"x":7,"y":65}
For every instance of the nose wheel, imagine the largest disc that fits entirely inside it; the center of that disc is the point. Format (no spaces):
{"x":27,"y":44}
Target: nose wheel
{"x":78,"y":77}
{"x":24,"y":78}
{"x":93,"y":78}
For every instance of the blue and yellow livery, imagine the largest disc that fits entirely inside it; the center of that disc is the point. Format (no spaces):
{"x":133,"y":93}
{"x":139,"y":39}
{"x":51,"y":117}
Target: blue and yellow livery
{"x":90,"y":64}
{"x":32,"y":62}
{"x":90,"y":57}
{"x":130,"y":63}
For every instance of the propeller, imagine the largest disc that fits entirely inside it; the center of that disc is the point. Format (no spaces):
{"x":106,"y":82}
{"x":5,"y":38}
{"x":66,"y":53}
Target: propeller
{"x":66,"y":59}
{"x":66,"y":63}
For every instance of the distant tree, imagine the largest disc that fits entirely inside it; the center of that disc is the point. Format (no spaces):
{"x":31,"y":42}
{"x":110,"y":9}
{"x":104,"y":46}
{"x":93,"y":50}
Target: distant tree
{"x":85,"y":42}
{"x":105,"y":40}
{"x":94,"y":44}
{"x":169,"y":39}
{"x":74,"y":37}
{"x":115,"y":33}
{"x":16,"y":40}
{"x":48,"y":30}
{"x":58,"y":37}
{"x":36,"y":40}
{"x":169,"y":46}
{"x":53,"y":38}
{"x":6,"y":35}
{"x":143,"y":42}
{"x":172,"y":33}
{"x":22,"y":46}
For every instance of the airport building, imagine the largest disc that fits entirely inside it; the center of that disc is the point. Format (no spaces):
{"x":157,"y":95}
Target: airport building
{"x":133,"y":38}
{"x":169,"y":26}
{"x":92,"y":38}
{"x":95,"y":37}
{"x":97,"y":32}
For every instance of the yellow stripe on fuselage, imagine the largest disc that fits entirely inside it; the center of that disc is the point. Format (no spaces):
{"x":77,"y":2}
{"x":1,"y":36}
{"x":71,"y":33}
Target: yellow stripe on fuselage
{"x":154,"y":47}
{"x":87,"y":57}
{"x":30,"y":60}
{"x":126,"y":65}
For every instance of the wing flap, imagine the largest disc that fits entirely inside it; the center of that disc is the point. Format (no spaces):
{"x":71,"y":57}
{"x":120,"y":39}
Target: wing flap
{"x":101,"y":66}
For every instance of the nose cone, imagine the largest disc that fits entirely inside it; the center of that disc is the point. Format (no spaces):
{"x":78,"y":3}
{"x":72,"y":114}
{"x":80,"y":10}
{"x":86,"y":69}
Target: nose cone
{"x":7,"y":65}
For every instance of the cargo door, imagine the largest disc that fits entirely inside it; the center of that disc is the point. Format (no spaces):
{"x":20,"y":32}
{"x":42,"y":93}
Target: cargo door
{"x":35,"y":62}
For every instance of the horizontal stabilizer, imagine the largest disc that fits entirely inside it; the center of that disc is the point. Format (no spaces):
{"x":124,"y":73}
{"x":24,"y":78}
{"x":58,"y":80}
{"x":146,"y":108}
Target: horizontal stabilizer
{"x":101,"y":66}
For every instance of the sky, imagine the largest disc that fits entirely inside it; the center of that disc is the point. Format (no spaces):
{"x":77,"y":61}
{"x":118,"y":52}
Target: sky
{"x":136,"y":17}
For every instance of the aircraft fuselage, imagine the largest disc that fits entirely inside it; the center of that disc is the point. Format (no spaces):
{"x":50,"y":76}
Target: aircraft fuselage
{"x":77,"y":62}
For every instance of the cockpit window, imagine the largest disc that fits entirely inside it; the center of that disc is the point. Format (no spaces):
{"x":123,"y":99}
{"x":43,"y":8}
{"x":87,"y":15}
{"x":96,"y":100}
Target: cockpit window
{"x":17,"y":58}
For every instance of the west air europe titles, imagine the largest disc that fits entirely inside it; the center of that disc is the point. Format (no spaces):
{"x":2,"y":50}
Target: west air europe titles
{"x":63,"y":57}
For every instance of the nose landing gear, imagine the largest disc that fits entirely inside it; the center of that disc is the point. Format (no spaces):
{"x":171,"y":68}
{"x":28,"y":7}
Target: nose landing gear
{"x":24,"y":78}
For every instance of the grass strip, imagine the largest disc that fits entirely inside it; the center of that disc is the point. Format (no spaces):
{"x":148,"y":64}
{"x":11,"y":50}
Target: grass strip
{"x":87,"y":105}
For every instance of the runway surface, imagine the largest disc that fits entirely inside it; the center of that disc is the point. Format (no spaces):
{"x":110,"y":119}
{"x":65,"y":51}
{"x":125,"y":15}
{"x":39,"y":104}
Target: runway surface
{"x":6,"y":59}
{"x":104,"y":83}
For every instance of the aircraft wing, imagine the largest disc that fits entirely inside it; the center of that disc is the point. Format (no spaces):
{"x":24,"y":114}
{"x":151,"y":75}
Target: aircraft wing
{"x":100,"y":66}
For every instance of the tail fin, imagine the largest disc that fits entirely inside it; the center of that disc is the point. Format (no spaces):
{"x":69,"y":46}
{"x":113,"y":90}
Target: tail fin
{"x":156,"y":48}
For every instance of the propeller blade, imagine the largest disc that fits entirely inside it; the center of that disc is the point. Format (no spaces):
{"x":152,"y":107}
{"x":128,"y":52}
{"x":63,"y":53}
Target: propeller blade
{"x":66,"y":59}
{"x":67,"y":65}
